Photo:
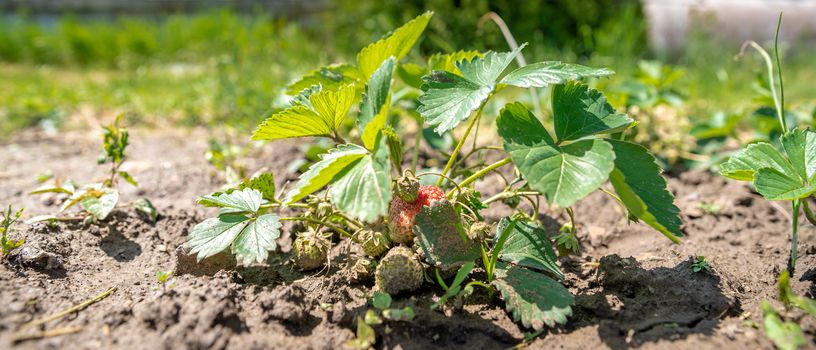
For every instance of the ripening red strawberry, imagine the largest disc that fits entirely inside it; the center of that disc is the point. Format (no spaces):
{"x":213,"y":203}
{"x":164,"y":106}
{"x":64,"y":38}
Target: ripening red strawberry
{"x":401,"y":215}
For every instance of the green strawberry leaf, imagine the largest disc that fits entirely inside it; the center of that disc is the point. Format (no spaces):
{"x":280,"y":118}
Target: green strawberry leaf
{"x":264,"y":183}
{"x":447,"y":62}
{"x":376,"y":100}
{"x":325,"y":171}
{"x":787,"y":295}
{"x":247,"y":200}
{"x":397,"y":44}
{"x":441,"y":235}
{"x":320,"y":117}
{"x":642,"y":190}
{"x":100,"y":202}
{"x":213,"y":235}
{"x":126,"y":175}
{"x":330,"y":78}
{"x":449,"y":98}
{"x":532,"y":298}
{"x":256,"y":240}
{"x":67,"y":188}
{"x":527,"y":245}
{"x":564,"y":174}
{"x":777,"y":186}
{"x":411,"y":74}
{"x":785,"y":335}
{"x":743,"y":164}
{"x":800,"y":146}
{"x":543,"y":74}
{"x":146,"y":208}
{"x":581,"y":111}
{"x":363,"y":190}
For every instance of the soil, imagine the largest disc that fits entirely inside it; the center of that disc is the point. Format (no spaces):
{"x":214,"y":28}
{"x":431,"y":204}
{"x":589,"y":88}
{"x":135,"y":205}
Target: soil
{"x":633,"y":287}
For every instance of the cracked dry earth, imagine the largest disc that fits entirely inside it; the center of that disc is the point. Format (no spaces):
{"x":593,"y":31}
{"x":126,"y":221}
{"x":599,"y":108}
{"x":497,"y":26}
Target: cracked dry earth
{"x":634,"y":289}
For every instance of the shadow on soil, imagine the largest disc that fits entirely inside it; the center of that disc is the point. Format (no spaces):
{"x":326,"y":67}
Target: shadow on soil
{"x":632,"y":305}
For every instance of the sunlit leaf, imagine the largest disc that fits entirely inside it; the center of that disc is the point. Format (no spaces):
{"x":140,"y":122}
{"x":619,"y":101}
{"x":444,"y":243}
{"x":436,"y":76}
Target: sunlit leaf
{"x":397,"y":44}
{"x":564,"y":174}
{"x":376,"y":100}
{"x":256,"y":240}
{"x":543,"y":74}
{"x":321,"y":117}
{"x":580,"y":111}
{"x":330,"y":78}
{"x":325,"y":171}
{"x":363,"y":189}
{"x":449,"y":98}
{"x":642,"y":190}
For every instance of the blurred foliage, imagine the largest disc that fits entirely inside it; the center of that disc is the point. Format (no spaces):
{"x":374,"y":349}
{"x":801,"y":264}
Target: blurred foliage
{"x":582,"y":28}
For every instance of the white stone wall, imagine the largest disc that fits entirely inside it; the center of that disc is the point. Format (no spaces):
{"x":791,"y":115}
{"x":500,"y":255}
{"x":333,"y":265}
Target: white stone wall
{"x":733,"y":21}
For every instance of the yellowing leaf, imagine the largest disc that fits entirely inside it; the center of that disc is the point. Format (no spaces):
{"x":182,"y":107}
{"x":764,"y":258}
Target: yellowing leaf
{"x":323,"y":115}
{"x":447,"y":62}
{"x":396,"y":44}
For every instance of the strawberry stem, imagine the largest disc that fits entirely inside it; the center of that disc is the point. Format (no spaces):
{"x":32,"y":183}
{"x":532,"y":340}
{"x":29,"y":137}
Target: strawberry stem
{"x":461,"y":142}
{"x":321,"y":222}
{"x":483,"y":172}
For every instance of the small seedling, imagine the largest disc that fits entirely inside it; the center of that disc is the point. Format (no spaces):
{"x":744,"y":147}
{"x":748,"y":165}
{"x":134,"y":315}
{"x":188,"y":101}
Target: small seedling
{"x":7,"y":244}
{"x":710,"y":208}
{"x":455,"y":288}
{"x":786,"y":334}
{"x":700,"y":265}
{"x":163,"y":277}
{"x":146,"y":208}
{"x":366,"y":337}
{"x":97,"y":199}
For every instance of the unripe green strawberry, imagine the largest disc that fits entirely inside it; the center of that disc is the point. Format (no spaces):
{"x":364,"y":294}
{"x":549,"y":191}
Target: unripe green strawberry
{"x":401,"y":214}
{"x":480,"y":231}
{"x":324,"y":209}
{"x":311,"y":250}
{"x":407,"y":187}
{"x":374,"y":243}
{"x":512,"y":202}
{"x":362,"y":269}
{"x":399,"y":271}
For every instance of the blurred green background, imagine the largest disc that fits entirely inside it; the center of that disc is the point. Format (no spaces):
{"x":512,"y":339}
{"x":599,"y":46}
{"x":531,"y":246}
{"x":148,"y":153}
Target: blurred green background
{"x":199,"y":66}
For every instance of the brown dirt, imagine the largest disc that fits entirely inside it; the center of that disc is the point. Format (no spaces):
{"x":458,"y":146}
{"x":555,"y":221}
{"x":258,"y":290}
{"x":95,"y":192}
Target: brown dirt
{"x":633,"y":287}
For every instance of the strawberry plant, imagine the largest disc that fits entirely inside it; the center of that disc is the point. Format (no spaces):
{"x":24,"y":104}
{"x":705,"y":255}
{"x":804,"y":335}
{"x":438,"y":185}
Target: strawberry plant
{"x":7,"y":244}
{"x":97,"y":199}
{"x":787,"y":175}
{"x":433,"y":219}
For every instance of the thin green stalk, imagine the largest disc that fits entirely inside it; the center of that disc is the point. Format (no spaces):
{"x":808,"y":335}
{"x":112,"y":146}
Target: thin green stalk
{"x":769,"y":65}
{"x":571,"y":214}
{"x":461,"y":142}
{"x":508,"y":194}
{"x":321,"y":222}
{"x":513,"y":44}
{"x":794,"y":237}
{"x":481,"y":173}
{"x":781,"y":106}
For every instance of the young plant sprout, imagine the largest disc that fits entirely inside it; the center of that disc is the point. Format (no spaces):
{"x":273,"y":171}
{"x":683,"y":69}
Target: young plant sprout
{"x":789,"y":175}
{"x":97,"y":199}
{"x":7,"y":244}
{"x":361,"y":186}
